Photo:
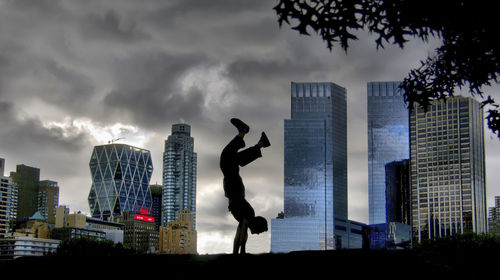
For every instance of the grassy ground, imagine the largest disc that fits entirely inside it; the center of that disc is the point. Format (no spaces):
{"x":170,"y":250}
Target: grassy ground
{"x":354,"y":264}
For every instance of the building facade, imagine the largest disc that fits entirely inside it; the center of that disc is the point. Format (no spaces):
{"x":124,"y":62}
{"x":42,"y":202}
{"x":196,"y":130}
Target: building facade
{"x":447,"y":163}
{"x":48,"y":199}
{"x":315,"y":171}
{"x":139,"y":233}
{"x":179,"y":237}
{"x":24,"y":246}
{"x":387,"y":141}
{"x":179,"y":174}
{"x":494,"y":217}
{"x":120,"y":180}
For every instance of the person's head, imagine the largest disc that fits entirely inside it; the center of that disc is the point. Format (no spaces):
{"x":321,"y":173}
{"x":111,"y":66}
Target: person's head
{"x":257,"y":225}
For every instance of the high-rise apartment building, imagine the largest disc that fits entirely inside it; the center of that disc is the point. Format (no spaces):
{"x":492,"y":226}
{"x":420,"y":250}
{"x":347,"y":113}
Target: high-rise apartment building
{"x":26,"y":179}
{"x":447,"y":164}
{"x":179,"y":174}
{"x":48,"y":199}
{"x":8,"y":202}
{"x":315,"y":171}
{"x":387,"y":141}
{"x":120,"y":180}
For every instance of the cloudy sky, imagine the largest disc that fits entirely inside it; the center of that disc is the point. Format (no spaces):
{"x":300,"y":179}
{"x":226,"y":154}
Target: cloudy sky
{"x":74,"y":74}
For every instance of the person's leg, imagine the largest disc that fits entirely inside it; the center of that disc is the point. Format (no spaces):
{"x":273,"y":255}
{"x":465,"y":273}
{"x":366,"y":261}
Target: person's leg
{"x":248,"y":155}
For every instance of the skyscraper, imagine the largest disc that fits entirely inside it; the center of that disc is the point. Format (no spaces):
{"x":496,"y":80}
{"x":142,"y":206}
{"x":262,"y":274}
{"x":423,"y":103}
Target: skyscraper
{"x":179,"y":174}
{"x":448,"y":189}
{"x":120,"y":180}
{"x":315,"y":167}
{"x":387,"y":141}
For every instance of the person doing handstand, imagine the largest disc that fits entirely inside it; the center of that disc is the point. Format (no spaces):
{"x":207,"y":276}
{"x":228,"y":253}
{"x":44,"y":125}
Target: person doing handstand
{"x":230,"y":161}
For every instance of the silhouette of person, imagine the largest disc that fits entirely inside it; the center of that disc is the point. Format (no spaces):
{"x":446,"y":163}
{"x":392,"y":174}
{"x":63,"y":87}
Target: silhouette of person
{"x":230,"y":161}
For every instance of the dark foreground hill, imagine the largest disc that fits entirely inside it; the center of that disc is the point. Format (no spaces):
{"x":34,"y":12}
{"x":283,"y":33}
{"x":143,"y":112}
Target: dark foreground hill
{"x":348,"y":264}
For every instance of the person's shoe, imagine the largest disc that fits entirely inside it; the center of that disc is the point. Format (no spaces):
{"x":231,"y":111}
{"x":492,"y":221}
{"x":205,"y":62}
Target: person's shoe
{"x":264,"y":141}
{"x":241,"y":126}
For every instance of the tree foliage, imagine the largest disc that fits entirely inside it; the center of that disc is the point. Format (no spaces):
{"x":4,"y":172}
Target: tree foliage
{"x":83,"y":246}
{"x":468,"y":57}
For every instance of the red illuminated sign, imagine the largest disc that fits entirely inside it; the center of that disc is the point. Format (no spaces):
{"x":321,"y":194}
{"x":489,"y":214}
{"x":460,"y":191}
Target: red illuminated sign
{"x":144,"y":218}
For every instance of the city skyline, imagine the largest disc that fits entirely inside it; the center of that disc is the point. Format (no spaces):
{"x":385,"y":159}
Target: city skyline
{"x":89,"y":72}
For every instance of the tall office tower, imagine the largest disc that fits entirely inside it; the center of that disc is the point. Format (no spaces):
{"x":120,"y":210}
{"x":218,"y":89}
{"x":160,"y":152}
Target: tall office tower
{"x":156,"y":191}
{"x":120,"y":180}
{"x":179,"y":174}
{"x":315,"y":171}
{"x":26,"y":178}
{"x":387,"y":141}
{"x":48,"y":199}
{"x":494,"y":217}
{"x":8,"y":202}
{"x":448,"y":189}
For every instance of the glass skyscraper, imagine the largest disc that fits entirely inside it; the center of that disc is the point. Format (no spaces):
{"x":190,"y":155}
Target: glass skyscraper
{"x":120,"y":180}
{"x":179,"y":174}
{"x":315,"y":171}
{"x":447,"y":164}
{"x":387,"y":141}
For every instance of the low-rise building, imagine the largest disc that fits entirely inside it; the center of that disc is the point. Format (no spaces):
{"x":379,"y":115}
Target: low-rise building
{"x":179,"y":237}
{"x":24,"y":246}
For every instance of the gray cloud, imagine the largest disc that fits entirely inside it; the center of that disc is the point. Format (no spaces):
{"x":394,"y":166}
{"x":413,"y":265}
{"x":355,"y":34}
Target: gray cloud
{"x":151,"y":64}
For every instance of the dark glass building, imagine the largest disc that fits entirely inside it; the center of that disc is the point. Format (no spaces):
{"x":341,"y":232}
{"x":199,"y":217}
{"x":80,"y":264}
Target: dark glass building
{"x":120,"y":180}
{"x":387,"y":141}
{"x":315,"y":171}
{"x":447,"y":163}
{"x":397,"y":179}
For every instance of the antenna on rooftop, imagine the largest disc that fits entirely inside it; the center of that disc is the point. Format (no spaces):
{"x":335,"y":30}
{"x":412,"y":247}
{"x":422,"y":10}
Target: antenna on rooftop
{"x":114,"y":140}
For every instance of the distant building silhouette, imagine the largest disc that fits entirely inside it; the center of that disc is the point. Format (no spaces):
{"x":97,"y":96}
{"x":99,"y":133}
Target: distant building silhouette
{"x":26,"y":179}
{"x":447,"y":162}
{"x":315,"y":172}
{"x":120,"y":180}
{"x":179,"y":174}
{"x":387,"y":141}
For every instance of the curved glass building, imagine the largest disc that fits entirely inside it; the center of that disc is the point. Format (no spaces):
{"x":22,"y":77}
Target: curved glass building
{"x":120,"y":180}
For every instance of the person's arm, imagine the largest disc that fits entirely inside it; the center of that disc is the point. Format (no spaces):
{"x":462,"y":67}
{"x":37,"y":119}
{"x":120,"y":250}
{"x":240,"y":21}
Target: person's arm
{"x":240,"y":239}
